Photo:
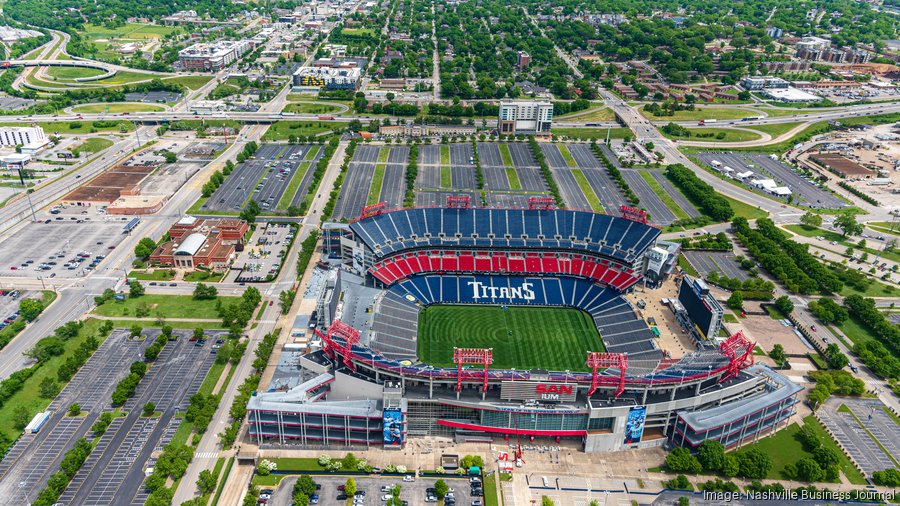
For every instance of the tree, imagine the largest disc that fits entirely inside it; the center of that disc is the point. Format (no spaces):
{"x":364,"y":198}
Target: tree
{"x":754,"y":464}
{"x":546,"y":501}
{"x":808,"y":470}
{"x":21,"y":417}
{"x":836,"y":359}
{"x":198,"y":333}
{"x":784,"y":304}
{"x":711,"y":454}
{"x":350,"y":487}
{"x":848,"y":225}
{"x":305,"y":485}
{"x":29,"y":309}
{"x":144,"y":248}
{"x":811,"y":220}
{"x":205,"y":292}
{"x":74,"y":409}
{"x":48,"y":388}
{"x":136,"y":330}
{"x":250,"y":212}
{"x":887,"y":478}
{"x":730,"y":466}
{"x":777,"y":354}
{"x":440,"y":489}
{"x":736,"y":301}
{"x":300,"y":500}
{"x":206,"y":482}
{"x":135,"y":289}
{"x":680,"y":460}
{"x":285,"y":299}
{"x":683,"y":501}
{"x":170,"y":156}
{"x":149,"y":408}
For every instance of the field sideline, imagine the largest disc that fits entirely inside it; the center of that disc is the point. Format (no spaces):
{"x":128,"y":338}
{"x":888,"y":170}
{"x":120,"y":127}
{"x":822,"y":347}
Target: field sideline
{"x":555,"y":339}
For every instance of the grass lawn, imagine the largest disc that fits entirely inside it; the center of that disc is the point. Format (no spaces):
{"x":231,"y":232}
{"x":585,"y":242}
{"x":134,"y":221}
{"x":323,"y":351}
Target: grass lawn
{"x":377,"y":181}
{"x":745,"y":210}
{"x":156,"y":275}
{"x":687,"y":267}
{"x":222,"y":481}
{"x":209,"y":277}
{"x":168,"y":306}
{"x":29,"y":396}
{"x":308,"y":108}
{"x":490,"y":492}
{"x":855,"y":331}
{"x":883,"y":226}
{"x":69,"y":73}
{"x":775,"y":129}
{"x":588,"y":192}
{"x":875,"y":289}
{"x":445,"y":155}
{"x":125,"y":323}
{"x":358,"y":31}
{"x":730,"y":135}
{"x":383,"y":154}
{"x":75,"y":127}
{"x":446,"y":177}
{"x":297,"y":464}
{"x":128,"y":30}
{"x":281,"y":130}
{"x":779,"y":147}
{"x":524,"y":337}
{"x":729,"y":318}
{"x":567,"y":156}
{"x":94,"y":144}
{"x":127,"y":77}
{"x":593,"y":133}
{"x":840,"y":239}
{"x":599,"y":114}
{"x":505,"y":155}
{"x":192,"y":82}
{"x":115,"y":108}
{"x":784,"y":448}
{"x":664,"y":196}
{"x":513,"y":178}
{"x":699,"y":113}
{"x":774,"y":313}
{"x":296,"y":178}
{"x":311,"y":154}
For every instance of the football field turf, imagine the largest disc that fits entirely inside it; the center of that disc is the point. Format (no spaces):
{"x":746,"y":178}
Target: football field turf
{"x":555,"y":339}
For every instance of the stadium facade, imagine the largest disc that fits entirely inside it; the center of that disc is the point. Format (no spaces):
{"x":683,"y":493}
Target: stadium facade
{"x":367,"y":386}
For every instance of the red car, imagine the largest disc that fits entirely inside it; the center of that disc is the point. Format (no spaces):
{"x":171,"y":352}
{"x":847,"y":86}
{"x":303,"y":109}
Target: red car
{"x":13,"y":268}
{"x":813,"y":327}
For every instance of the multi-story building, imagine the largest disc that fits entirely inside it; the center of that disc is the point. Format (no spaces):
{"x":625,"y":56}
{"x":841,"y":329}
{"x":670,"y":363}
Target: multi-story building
{"x":14,"y":136}
{"x":525,"y":117}
{"x":212,"y":57}
{"x":523,"y":59}
{"x":329,"y":78}
{"x":201,"y":243}
{"x":764,"y":82}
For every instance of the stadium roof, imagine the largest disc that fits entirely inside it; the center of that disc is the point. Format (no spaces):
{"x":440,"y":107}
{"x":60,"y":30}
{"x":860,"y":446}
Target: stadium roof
{"x":191,"y":245}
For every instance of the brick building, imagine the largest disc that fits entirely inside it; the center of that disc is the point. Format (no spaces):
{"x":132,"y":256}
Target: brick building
{"x":195,"y":242}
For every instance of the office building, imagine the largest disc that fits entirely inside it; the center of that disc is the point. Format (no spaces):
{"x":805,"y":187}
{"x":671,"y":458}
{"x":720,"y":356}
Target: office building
{"x":15,"y":136}
{"x":212,"y":57}
{"x":329,"y":78}
{"x":529,"y":117}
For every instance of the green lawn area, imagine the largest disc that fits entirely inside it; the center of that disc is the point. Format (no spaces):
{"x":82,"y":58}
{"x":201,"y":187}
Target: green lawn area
{"x":127,"y":77}
{"x":855,"y":331}
{"x":296,"y":178}
{"x":377,"y":181}
{"x":730,"y":135}
{"x":156,"y":275}
{"x":94,"y":144}
{"x":567,"y":156}
{"x":383,"y":154}
{"x":840,"y":239}
{"x":784,"y":448}
{"x":297,"y":464}
{"x":29,"y":396}
{"x":490,"y":492}
{"x":446,"y":177}
{"x":505,"y":155}
{"x":775,"y":129}
{"x":69,"y":73}
{"x":592,"y":133}
{"x":555,"y":339}
{"x":875,"y":289}
{"x":309,"y":108}
{"x":128,"y":30}
{"x":281,"y":130}
{"x":717,"y":113}
{"x":445,"y":155}
{"x":600,"y":114}
{"x":513,"y":178}
{"x":125,"y":323}
{"x":191,"y":82}
{"x":745,"y":210}
{"x":663,"y":195}
{"x":687,"y":267}
{"x":209,"y":277}
{"x":74,"y":127}
{"x":117,"y":107}
{"x":779,"y":147}
{"x":311,"y":154}
{"x":885,"y":227}
{"x":168,"y":306}
{"x":729,"y":318}
{"x":774,"y":313}
{"x":588,"y":192}
{"x":358,"y":31}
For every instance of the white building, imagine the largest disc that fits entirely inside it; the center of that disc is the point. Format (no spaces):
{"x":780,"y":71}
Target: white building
{"x":212,"y":57}
{"x":525,"y":117}
{"x":329,"y":78}
{"x":763,"y":82}
{"x":790,"y":94}
{"x":14,"y":136}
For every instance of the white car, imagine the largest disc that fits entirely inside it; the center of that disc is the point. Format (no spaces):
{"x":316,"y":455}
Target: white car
{"x":408,"y":477}
{"x":386,"y":497}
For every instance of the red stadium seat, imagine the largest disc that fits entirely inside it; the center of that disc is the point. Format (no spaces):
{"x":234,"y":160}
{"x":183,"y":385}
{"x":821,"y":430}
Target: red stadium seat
{"x":516,"y":264}
{"x":451,"y":263}
{"x":533,"y":263}
{"x":549,"y":264}
{"x":466,"y":263}
{"x":483,"y":264}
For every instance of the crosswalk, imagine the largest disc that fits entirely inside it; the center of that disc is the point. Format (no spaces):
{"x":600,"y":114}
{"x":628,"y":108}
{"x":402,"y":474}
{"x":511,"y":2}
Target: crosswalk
{"x":206,"y":455}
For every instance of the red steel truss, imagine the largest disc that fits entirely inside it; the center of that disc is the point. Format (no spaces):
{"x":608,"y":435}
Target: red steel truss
{"x":634,"y":214}
{"x":373,"y":210}
{"x":597,"y":359}
{"x":459,"y":201}
{"x":473,"y":356}
{"x":350,"y":336}
{"x":739,"y":351}
{"x":542,"y":203}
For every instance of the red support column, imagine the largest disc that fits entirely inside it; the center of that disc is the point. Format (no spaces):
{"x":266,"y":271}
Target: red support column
{"x":595,"y":360}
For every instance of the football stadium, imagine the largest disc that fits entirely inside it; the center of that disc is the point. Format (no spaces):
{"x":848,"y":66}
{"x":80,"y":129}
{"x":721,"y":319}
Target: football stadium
{"x":482,"y":323}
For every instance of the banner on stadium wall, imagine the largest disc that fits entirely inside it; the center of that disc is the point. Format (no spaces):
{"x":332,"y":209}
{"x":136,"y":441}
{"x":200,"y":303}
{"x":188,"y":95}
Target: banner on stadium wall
{"x":358,"y":260}
{"x":634,"y":425}
{"x":393,"y":426}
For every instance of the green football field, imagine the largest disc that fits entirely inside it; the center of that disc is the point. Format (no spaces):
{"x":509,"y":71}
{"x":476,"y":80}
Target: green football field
{"x":555,"y":339}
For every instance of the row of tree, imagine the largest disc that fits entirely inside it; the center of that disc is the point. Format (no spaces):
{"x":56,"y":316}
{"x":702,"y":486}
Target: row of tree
{"x":699,"y":193}
{"x":774,"y":259}
{"x":880,"y":354}
{"x":545,"y":172}
{"x":800,"y":255}
{"x":711,"y":458}
{"x":616,"y":175}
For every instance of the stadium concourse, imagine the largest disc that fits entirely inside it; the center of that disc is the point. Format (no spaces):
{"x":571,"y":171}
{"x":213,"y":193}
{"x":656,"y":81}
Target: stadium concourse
{"x":370,"y":386}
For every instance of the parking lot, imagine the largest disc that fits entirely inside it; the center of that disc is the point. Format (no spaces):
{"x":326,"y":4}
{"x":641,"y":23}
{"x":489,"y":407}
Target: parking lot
{"x":719,"y":261}
{"x":153,"y":97}
{"x":412,"y":492}
{"x":263,"y":253}
{"x":265,"y":177}
{"x":659,"y":212}
{"x":853,"y":436}
{"x":804,"y":191}
{"x":357,"y":182}
{"x":604,"y":187}
{"x":65,"y":244}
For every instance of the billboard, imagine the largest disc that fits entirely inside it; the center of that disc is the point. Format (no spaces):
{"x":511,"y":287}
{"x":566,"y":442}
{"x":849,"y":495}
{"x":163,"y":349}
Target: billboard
{"x":538,"y":391}
{"x":393,"y":426}
{"x":697,"y":310}
{"x":634,"y":425}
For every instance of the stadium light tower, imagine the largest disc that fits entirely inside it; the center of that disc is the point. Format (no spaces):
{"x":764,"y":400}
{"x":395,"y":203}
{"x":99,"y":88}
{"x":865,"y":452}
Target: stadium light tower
{"x":739,"y":351}
{"x":333,"y":348}
{"x":596,"y":359}
{"x":472,"y":356}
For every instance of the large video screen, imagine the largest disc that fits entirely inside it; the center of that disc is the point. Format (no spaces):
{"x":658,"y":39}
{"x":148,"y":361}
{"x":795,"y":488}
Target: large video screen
{"x":693,"y":304}
{"x":634,"y":426}
{"x":393,"y":427}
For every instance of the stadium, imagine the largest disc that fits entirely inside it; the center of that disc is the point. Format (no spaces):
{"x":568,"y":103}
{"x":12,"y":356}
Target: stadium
{"x":480,"y":323}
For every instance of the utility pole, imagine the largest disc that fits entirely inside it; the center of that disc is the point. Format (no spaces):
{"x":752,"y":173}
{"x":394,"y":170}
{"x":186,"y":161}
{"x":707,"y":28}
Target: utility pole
{"x":27,"y":195}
